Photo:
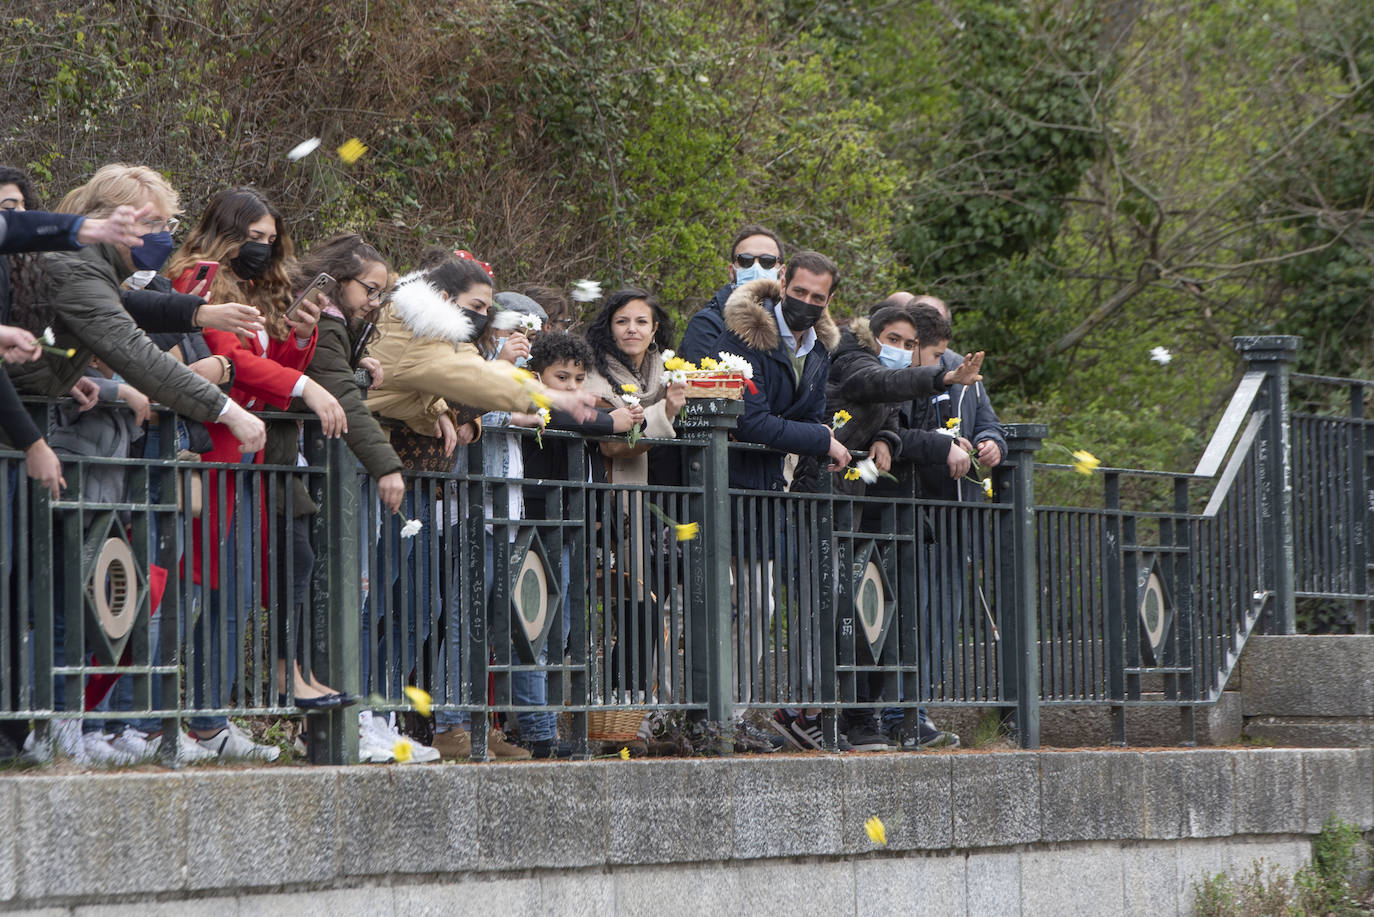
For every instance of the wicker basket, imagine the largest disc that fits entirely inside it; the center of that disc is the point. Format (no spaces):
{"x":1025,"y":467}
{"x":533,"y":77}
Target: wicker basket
{"x":715,"y":385}
{"x":614,"y":725}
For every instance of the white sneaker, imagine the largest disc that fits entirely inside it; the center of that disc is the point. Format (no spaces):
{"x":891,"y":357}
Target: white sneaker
{"x":231,"y":744}
{"x":136,"y":744}
{"x":97,"y":750}
{"x":378,"y":741}
{"x":64,"y":738}
{"x":189,"y":750}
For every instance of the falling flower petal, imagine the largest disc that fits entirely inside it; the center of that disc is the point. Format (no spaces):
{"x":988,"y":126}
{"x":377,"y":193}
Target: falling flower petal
{"x":420,"y":699}
{"x":586,"y":291}
{"x":1085,"y":462}
{"x":303,"y":149}
{"x":877,"y":833}
{"x":352,"y":150}
{"x":1161,"y":355}
{"x":686,"y":531}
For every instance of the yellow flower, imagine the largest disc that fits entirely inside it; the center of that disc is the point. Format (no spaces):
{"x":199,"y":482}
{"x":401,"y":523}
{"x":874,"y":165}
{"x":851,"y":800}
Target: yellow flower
{"x":522,"y":374}
{"x":951,"y":423}
{"x":352,"y":150}
{"x":686,"y":531}
{"x":676,"y":363}
{"x":629,"y":387}
{"x":542,"y":401}
{"x":420,"y":698}
{"x":987,"y":487}
{"x":708,"y":363}
{"x":625,"y":754}
{"x":851,"y":474}
{"x":876,"y":832}
{"x":401,"y":751}
{"x":1085,"y":462}
{"x":840,"y":419}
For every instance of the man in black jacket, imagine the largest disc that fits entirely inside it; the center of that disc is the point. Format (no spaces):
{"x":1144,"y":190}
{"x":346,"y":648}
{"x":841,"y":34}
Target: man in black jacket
{"x":755,"y":254}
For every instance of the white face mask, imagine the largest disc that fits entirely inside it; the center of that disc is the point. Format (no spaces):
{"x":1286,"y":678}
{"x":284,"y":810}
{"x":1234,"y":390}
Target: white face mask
{"x":894,"y":357}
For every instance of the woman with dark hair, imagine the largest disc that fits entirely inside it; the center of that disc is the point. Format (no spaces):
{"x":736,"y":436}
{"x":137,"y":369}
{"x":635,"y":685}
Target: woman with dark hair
{"x":628,"y":337}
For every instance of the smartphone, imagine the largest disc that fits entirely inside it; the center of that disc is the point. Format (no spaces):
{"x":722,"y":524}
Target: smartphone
{"x":311,"y":293}
{"x":196,"y":275}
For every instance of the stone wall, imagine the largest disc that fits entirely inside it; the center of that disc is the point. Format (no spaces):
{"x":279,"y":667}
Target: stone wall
{"x":1099,"y":832}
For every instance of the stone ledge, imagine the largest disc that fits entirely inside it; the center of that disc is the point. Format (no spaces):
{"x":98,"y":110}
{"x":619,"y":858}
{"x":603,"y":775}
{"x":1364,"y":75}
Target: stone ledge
{"x":88,"y":838}
{"x":1305,"y":676}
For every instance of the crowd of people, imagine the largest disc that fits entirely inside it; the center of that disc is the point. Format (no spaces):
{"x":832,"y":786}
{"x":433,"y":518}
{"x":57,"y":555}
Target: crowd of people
{"x":103,"y":309}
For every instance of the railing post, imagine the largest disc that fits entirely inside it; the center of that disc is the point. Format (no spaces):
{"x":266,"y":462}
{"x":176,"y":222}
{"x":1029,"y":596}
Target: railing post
{"x":336,"y":606}
{"x":708,"y":627}
{"x":1359,"y":510}
{"x":1019,"y":661}
{"x":1273,"y":355}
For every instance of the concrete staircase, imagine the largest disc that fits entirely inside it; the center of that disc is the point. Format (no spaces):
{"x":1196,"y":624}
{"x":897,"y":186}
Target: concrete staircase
{"x":1313,"y":691}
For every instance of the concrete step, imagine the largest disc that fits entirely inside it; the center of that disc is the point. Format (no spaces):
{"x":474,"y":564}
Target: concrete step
{"x":1315,"y":691}
{"x":1091,"y":727}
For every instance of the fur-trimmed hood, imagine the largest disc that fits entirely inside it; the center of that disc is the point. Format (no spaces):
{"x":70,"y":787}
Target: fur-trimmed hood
{"x":864,"y":334}
{"x":422,"y":308}
{"x":748,"y":319}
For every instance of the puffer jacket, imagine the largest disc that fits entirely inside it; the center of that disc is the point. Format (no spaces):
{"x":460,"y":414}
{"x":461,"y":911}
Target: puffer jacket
{"x":786,"y":414}
{"x":83,"y":293}
{"x":704,"y":327}
{"x":428,"y":368}
{"x":872,"y":394}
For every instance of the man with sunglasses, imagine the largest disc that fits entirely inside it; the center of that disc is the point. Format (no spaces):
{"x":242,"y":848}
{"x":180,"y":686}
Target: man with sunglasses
{"x":756,"y":254}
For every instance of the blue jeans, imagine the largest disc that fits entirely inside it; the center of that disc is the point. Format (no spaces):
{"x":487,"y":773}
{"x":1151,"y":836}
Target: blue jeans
{"x":527,"y":689}
{"x":408,"y":575}
{"x":941,"y":597}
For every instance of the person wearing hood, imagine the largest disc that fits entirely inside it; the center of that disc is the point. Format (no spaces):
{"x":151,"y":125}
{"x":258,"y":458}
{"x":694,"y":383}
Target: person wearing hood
{"x":755,"y":254}
{"x":871,"y":377}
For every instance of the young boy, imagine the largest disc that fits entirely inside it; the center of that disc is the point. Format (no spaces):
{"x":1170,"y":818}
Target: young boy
{"x":560,"y":361}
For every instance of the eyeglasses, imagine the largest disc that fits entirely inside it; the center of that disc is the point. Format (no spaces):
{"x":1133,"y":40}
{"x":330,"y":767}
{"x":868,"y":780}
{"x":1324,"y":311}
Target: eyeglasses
{"x":374,"y":293}
{"x":767,"y":262}
{"x":167,"y":225}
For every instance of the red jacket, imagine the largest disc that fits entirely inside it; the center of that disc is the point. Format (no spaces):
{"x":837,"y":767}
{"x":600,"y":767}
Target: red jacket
{"x":266,"y":371}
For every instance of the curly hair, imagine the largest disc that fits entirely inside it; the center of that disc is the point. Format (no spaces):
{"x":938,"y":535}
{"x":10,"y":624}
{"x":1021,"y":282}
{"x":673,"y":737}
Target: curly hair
{"x":553,"y":347}
{"x":222,"y":229}
{"x":602,"y":341}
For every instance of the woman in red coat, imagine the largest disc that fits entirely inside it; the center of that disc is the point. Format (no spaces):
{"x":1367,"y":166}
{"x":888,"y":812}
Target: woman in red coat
{"x":243,"y":233}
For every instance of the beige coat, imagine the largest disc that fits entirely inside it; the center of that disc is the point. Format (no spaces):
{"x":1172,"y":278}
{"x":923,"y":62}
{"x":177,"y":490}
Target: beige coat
{"x":634,"y":469}
{"x":428,"y":368}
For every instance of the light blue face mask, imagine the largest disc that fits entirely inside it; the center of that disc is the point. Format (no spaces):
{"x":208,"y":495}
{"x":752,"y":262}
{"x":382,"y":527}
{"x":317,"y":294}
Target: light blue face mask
{"x":501,"y":345}
{"x":754,"y":271}
{"x":894,"y":357}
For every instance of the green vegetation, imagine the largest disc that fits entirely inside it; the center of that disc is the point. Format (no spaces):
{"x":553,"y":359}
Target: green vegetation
{"x":1083,"y":181}
{"x":1335,"y":884}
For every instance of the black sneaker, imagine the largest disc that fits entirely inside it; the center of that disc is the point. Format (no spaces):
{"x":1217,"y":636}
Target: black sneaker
{"x":927,"y":736}
{"x":808,"y":729}
{"x":781,"y":721}
{"x":866,"y":737}
{"x":549,"y":748}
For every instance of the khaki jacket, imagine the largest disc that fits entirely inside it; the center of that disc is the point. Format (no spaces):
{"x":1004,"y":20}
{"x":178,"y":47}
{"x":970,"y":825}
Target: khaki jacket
{"x":428,"y":368}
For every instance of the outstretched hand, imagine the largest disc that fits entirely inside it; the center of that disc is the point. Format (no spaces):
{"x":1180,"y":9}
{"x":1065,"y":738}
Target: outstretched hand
{"x":968,"y":372}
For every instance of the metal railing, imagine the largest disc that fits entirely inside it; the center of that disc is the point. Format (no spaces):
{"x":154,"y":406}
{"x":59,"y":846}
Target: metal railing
{"x":565,"y":596}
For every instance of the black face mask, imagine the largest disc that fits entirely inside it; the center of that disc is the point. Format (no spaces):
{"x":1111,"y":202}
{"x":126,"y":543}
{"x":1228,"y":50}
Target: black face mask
{"x":799,"y":314}
{"x":252,"y":260}
{"x":479,"y":320}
